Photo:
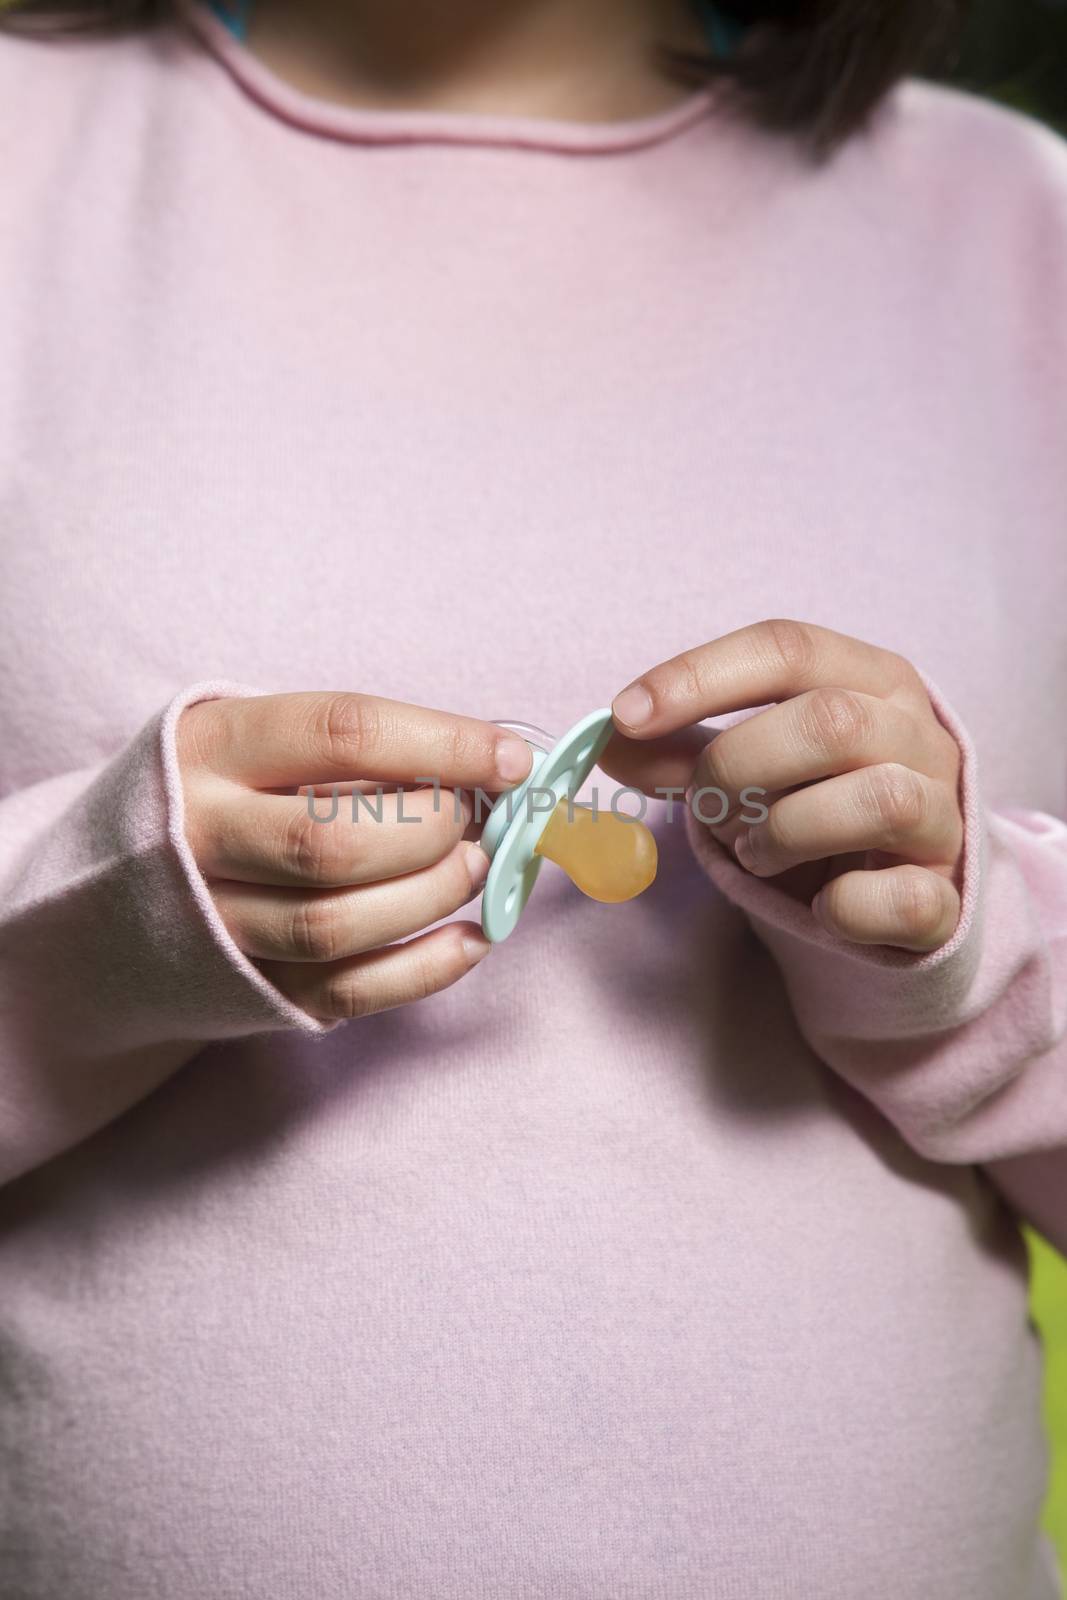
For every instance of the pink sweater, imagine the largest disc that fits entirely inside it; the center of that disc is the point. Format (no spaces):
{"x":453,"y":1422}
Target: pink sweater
{"x":674,"y":1253}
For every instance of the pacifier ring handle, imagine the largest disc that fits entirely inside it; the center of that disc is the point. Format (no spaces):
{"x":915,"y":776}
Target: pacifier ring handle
{"x":533,"y":735}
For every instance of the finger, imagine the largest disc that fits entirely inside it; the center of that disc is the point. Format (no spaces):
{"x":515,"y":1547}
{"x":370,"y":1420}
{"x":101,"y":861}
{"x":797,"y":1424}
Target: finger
{"x":333,"y":924}
{"x":275,"y":740}
{"x":753,"y":666}
{"x":800,"y":882}
{"x":906,"y":906}
{"x":326,"y":791}
{"x":395,"y":976}
{"x":888,"y":808}
{"x":658,"y":766}
{"x":282,"y":840}
{"x":816,"y":735}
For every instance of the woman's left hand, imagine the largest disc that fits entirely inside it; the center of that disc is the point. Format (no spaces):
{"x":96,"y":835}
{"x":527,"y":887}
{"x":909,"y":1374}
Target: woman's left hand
{"x":861,"y":777}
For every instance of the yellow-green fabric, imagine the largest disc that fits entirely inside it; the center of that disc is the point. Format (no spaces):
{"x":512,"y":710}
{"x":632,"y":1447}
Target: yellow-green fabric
{"x":1049,"y":1301}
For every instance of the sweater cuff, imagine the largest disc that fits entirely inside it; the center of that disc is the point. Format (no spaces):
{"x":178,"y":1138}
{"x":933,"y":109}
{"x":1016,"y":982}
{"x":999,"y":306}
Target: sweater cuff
{"x":115,"y":966}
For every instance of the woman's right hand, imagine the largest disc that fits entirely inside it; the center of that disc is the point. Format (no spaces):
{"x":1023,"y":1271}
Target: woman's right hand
{"x":317,"y":904}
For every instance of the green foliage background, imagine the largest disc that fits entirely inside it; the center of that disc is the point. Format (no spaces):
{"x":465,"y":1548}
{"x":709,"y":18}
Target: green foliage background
{"x":1016,"y":51}
{"x":1049,"y":1308}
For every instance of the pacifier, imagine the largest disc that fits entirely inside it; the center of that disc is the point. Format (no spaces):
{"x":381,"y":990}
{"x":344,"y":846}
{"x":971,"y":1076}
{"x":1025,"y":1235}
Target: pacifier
{"x":610,"y":858}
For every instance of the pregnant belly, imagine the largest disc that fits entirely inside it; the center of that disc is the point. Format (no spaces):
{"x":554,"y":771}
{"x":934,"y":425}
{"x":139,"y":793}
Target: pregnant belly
{"x":585,"y":1326}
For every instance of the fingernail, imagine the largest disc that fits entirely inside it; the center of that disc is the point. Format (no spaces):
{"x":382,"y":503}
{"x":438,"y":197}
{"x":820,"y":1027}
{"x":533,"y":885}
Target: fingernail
{"x":743,"y":850}
{"x":477,"y":865}
{"x":633,"y":706}
{"x":512,"y":759}
{"x":476,"y":947}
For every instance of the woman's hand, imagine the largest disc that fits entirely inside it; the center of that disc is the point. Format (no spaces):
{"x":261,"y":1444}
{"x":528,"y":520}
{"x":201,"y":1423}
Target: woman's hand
{"x":317,"y":904}
{"x":861,"y":776}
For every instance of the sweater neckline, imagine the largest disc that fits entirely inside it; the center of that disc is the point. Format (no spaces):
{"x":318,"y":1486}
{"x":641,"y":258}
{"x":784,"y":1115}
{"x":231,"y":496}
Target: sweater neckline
{"x":373,"y":125}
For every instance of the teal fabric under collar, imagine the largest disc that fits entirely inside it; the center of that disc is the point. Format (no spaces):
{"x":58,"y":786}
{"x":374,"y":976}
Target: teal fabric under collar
{"x":723,"y":31}
{"x":234,"y":13}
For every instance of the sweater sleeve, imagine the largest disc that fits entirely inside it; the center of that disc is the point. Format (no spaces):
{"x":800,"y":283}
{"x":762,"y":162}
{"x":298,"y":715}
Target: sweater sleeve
{"x":963,"y":1049}
{"x":115,"y":966}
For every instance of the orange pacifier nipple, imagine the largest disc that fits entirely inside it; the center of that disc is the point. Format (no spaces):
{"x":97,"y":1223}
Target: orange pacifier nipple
{"x":608,"y":857}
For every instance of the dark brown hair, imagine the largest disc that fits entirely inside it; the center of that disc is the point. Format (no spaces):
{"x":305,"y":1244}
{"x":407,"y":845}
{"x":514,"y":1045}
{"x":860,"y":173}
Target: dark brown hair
{"x":815,"y":68}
